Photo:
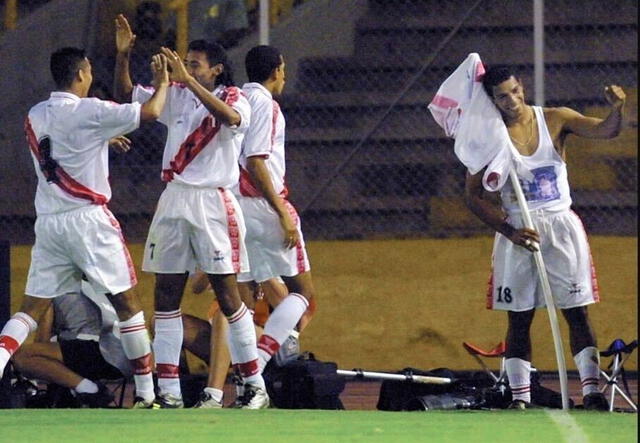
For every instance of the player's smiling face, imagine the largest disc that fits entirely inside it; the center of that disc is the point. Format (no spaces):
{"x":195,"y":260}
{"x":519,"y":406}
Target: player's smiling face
{"x":508,"y":96}
{"x":199,"y":68}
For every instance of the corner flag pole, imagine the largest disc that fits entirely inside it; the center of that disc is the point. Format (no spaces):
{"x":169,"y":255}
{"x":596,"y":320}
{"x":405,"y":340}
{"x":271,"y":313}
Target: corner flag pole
{"x":546,"y":289}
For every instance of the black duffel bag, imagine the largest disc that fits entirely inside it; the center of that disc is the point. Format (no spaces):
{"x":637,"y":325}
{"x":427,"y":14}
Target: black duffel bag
{"x":304,"y":383}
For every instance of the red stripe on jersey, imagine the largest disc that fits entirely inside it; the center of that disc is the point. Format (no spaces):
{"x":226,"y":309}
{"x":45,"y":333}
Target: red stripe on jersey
{"x":300,"y":258}
{"x":192,"y":146}
{"x":165,"y":370}
{"x":59,"y":176}
{"x":234,"y":230}
{"x":594,"y":278}
{"x":133,"y":279}
{"x":9,"y":344}
{"x":274,"y":121}
{"x":230,"y":95}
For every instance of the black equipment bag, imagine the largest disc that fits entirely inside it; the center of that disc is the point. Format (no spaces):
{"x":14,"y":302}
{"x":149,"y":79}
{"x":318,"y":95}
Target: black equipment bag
{"x":304,"y":383}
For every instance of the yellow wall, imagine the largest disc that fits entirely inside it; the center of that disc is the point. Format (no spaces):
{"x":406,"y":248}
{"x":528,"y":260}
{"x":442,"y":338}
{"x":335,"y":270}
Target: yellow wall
{"x":388,"y":304}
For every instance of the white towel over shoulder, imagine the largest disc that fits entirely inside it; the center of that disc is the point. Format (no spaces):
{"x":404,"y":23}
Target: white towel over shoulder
{"x":465,"y":112}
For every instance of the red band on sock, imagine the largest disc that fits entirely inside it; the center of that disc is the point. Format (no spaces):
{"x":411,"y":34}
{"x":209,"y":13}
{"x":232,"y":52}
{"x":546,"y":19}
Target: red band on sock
{"x":9,"y":344}
{"x":268,"y":344}
{"x":167,"y":371}
{"x":249,"y":368}
{"x":142,"y":365}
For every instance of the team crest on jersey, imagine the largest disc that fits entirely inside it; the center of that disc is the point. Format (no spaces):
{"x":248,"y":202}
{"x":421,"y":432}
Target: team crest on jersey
{"x":575,"y":289}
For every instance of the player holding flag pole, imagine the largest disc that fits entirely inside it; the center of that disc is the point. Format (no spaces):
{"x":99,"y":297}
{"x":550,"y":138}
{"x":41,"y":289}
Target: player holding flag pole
{"x":498,"y":136}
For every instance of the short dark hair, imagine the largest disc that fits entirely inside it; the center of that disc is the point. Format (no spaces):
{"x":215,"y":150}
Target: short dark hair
{"x":64,"y":64}
{"x":495,"y":75}
{"x":261,"y":61}
{"x":215,"y":54}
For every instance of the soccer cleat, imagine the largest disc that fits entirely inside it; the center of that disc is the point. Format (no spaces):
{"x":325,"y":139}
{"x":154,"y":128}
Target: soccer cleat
{"x":519,"y":405}
{"x":169,"y":401}
{"x":141,"y":403}
{"x":254,"y":397}
{"x":239,"y":383}
{"x":289,"y":351}
{"x":101,"y":399}
{"x":206,"y":401}
{"x":595,"y":401}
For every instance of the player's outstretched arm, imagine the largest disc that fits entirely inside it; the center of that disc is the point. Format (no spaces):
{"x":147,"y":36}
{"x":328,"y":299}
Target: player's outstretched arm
{"x":591,"y":127}
{"x":260,"y":176}
{"x":218,"y":108}
{"x":152,"y":109}
{"x":125,"y":39}
{"x":491,"y":213}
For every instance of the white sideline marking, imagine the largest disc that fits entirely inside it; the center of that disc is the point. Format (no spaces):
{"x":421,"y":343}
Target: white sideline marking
{"x":569,"y":428}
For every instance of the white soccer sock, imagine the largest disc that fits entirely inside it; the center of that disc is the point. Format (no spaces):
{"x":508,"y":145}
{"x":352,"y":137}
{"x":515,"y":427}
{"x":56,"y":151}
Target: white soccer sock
{"x":216,"y":394}
{"x":137,"y":348}
{"x":519,"y":374}
{"x":281,"y":322}
{"x":588,"y":363}
{"x":86,"y":386}
{"x":14,"y":333}
{"x":167,"y":344}
{"x":244,"y":354}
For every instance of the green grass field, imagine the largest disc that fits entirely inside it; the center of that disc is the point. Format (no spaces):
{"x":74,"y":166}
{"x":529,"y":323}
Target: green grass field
{"x":305,"y":426}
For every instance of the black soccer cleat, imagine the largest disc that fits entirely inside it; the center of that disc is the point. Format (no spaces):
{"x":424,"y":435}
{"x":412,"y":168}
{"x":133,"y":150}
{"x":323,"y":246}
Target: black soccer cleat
{"x":596,"y":401}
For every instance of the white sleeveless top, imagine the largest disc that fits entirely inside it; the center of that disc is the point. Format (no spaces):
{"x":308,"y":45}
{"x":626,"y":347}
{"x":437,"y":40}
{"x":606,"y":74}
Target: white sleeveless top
{"x":549,"y":188}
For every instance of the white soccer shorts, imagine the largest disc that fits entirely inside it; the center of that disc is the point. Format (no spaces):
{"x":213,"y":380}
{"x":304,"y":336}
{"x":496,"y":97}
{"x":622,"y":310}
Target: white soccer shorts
{"x":268,"y":257}
{"x":514,"y":284}
{"x":196,"y":227}
{"x":85,"y":241}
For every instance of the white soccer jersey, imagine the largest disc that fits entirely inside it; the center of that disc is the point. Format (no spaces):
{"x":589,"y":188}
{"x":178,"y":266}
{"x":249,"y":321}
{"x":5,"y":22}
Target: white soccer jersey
{"x":264,"y":138}
{"x":69,"y":139}
{"x":199,"y":150}
{"x":549,"y":188}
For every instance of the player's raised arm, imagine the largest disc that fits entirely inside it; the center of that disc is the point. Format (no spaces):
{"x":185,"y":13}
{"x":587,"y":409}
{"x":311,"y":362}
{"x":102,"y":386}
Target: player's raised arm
{"x":492,"y":214}
{"x":591,"y":127}
{"x":218,"y":108}
{"x":152,"y":109}
{"x":125,"y":39}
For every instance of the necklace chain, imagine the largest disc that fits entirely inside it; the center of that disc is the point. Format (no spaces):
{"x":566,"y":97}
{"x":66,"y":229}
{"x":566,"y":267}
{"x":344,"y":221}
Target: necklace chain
{"x":530,"y":134}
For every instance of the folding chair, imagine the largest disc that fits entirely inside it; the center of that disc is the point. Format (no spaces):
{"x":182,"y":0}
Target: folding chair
{"x":620,"y":352}
{"x":497,"y":351}
{"x":118,"y":387}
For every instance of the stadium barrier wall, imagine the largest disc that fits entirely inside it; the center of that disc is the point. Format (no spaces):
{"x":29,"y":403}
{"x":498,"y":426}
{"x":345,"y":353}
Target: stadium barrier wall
{"x":389,"y":304}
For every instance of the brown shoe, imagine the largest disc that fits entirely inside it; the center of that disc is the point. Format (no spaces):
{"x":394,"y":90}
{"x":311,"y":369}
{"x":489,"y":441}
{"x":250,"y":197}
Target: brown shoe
{"x":519,"y":405}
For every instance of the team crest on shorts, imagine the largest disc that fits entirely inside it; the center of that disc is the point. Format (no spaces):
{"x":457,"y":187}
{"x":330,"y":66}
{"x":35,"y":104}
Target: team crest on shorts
{"x":217,"y":256}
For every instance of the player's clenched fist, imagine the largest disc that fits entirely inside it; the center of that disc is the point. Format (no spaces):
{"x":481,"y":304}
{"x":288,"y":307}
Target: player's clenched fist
{"x":615,"y":95}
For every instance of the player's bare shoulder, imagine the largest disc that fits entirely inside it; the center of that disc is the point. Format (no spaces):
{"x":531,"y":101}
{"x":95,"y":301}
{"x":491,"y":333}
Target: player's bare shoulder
{"x":555,"y":118}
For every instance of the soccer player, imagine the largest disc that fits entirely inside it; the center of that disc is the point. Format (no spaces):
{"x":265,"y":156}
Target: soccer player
{"x":539,"y":134}
{"x":198,"y":222}
{"x":274,"y":239}
{"x":76,"y":234}
{"x":81,"y":354}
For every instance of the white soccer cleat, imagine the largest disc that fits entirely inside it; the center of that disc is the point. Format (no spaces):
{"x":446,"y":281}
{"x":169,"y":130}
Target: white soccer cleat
{"x":206,"y":401}
{"x":169,"y":401}
{"x":254,"y":398}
